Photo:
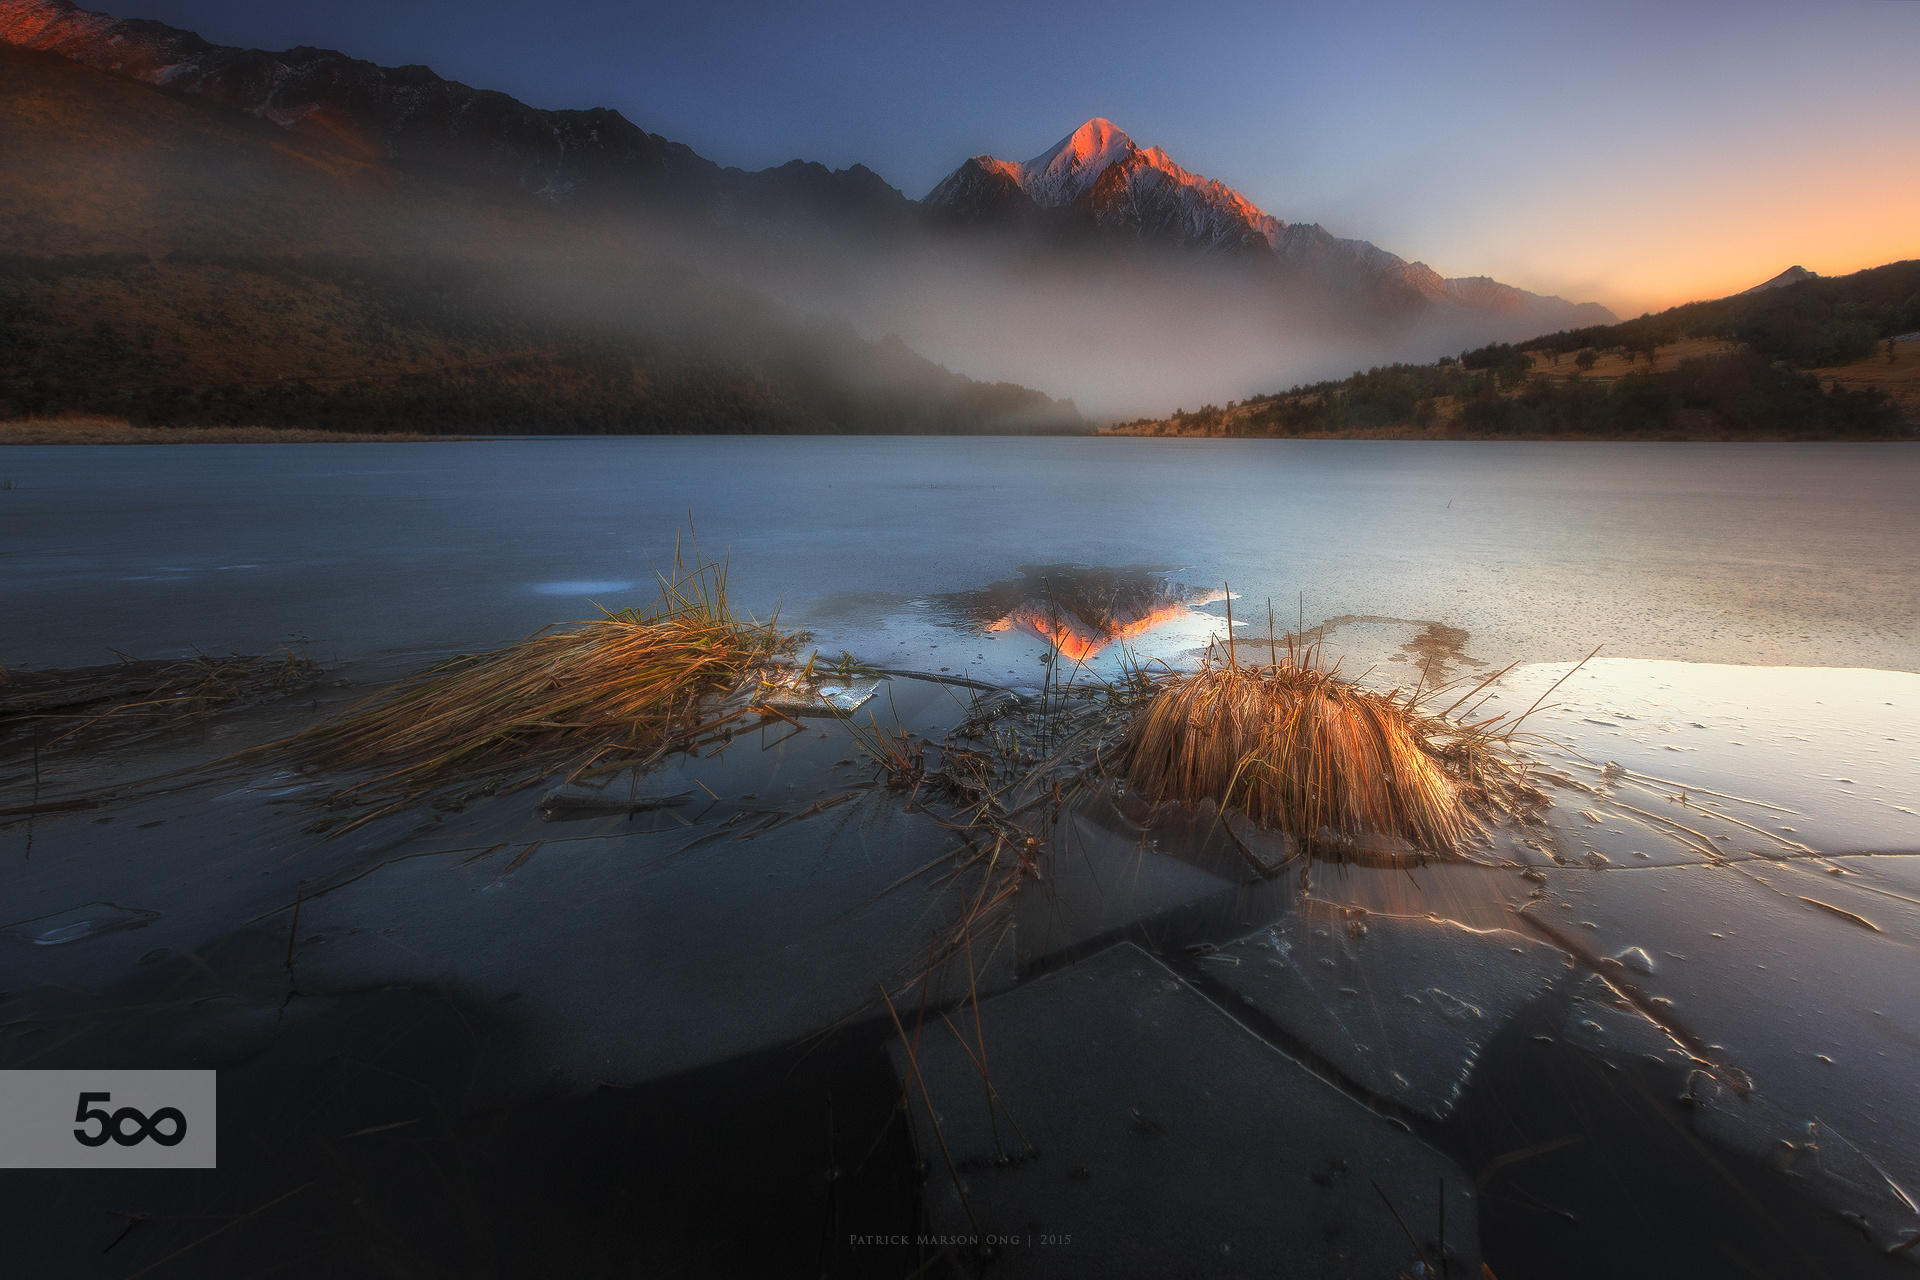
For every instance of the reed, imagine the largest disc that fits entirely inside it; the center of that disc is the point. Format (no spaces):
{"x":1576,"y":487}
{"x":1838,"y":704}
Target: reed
{"x":1297,"y":748}
{"x":610,"y":693}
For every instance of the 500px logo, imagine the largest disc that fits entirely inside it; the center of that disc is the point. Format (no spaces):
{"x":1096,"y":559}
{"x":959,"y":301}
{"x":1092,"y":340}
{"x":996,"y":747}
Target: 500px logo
{"x":114,"y":1126}
{"x":107,"y":1120}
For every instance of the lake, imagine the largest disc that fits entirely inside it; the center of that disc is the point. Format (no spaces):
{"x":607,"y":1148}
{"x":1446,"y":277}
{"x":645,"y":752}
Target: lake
{"x":1669,"y":1029}
{"x":1786,"y":554}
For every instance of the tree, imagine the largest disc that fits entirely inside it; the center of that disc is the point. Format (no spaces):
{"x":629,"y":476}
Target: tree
{"x":1587,"y":358}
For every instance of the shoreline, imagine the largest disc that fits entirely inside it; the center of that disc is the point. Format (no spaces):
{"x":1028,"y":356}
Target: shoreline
{"x":104,"y":430}
{"x":43,"y":432}
{"x":1151,"y":431}
{"x":37,"y":434}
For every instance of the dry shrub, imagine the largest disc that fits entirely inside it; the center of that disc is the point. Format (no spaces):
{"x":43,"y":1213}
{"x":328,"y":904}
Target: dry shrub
{"x":1297,"y":748}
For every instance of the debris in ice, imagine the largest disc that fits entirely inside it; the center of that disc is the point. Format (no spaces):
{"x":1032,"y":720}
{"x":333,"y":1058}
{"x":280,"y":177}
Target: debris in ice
{"x":1603,"y":1022}
{"x":797,"y":697}
{"x":1634,"y":958}
{"x":570,"y":803}
{"x":1842,"y":912}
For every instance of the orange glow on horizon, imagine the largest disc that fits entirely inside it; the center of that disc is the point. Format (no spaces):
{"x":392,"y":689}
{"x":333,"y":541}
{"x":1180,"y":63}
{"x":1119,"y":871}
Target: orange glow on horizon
{"x":1666,"y":238}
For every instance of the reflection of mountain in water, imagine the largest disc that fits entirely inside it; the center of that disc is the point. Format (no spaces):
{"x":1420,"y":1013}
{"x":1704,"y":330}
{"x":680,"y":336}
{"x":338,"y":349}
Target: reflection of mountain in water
{"x":1081,"y":609}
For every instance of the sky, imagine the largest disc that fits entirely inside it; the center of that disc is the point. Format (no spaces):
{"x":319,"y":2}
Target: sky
{"x":1634,"y":154}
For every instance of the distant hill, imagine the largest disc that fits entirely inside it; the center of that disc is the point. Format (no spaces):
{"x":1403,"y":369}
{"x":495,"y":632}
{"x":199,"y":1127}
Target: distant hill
{"x":173,"y":260}
{"x":1812,"y":358}
{"x":1809,"y":321}
{"x":1792,"y":275}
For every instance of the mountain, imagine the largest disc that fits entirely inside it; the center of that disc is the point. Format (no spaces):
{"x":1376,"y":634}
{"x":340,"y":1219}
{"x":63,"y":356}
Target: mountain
{"x":1792,"y":275}
{"x":174,"y":261}
{"x":1099,"y":269}
{"x":416,"y":119}
{"x":1097,"y":180}
{"x":1097,"y":175}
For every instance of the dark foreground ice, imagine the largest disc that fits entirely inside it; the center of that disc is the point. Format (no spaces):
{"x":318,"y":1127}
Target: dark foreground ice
{"x":1667,"y":1031}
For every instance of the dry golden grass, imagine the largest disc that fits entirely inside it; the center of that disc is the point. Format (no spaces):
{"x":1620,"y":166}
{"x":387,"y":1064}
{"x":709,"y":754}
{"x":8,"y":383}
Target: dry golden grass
{"x":1611,"y":363}
{"x":616,"y":692}
{"x":98,"y":429}
{"x":1898,"y":377}
{"x":1298,"y":749}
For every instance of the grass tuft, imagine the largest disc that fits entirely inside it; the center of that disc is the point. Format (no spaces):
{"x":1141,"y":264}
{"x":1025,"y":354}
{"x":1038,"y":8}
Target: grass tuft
{"x":1299,"y":749}
{"x":615,"y":692}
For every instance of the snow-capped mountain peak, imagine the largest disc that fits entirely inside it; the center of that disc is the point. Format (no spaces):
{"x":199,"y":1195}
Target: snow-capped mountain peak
{"x":1099,"y":173}
{"x":1098,"y":179}
{"x":1067,"y":170}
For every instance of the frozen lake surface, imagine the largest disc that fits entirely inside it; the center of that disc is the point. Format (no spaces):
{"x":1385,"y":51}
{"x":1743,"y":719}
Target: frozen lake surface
{"x":1786,"y":555}
{"x":1669,"y":1030}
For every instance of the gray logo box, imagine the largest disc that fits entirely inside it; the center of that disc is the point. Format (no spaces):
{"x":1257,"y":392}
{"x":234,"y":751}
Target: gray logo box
{"x":41,"y":1120}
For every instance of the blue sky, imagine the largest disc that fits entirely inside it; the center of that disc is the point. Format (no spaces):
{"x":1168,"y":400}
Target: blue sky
{"x":1636,"y":153}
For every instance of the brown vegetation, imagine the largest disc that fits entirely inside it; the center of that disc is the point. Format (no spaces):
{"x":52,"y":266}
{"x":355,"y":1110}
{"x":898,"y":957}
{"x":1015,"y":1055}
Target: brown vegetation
{"x":617,"y":692}
{"x":1296,"y":748}
{"x":1895,"y":371}
{"x":1615,"y":362}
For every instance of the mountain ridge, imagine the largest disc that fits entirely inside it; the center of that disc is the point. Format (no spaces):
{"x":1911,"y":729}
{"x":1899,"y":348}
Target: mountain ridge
{"x":1098,"y":175}
{"x":412,"y":116}
{"x":168,"y":261}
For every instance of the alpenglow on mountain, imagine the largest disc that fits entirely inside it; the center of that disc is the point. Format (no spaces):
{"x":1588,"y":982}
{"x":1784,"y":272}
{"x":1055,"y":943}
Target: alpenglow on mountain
{"x":1099,"y":269}
{"x":1098,"y":179}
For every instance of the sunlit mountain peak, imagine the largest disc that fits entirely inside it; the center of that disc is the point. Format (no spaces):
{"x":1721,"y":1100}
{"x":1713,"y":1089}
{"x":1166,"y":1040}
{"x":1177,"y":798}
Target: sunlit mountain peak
{"x":1067,"y":170}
